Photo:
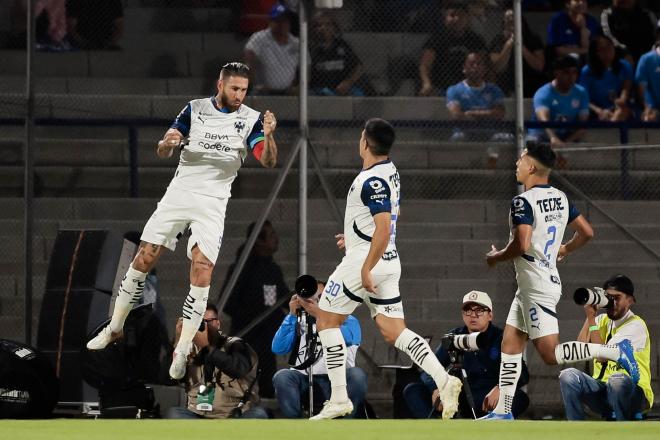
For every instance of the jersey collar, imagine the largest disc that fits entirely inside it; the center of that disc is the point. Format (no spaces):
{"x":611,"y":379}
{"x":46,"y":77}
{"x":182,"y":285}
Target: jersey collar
{"x":382,"y":162}
{"x":541,"y":186}
{"x":220,"y":109}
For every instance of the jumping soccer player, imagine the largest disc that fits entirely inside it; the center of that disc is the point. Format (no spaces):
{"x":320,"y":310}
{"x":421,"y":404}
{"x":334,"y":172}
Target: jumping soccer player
{"x":538,"y":219}
{"x":220,"y":131}
{"x":369,"y":273}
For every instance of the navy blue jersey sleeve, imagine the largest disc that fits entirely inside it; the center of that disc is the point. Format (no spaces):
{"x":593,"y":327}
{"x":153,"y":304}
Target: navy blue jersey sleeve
{"x":255,"y":140}
{"x":182,"y":121}
{"x":376,"y":195}
{"x":521,"y":212}
{"x":573,"y":212}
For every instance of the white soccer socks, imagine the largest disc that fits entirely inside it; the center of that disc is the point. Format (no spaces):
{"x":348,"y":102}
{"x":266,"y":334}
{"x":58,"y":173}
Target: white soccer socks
{"x":334,"y":351}
{"x":574,"y":351}
{"x":419,"y":351}
{"x":193,"y":313}
{"x":510,"y":370}
{"x":130,"y":291}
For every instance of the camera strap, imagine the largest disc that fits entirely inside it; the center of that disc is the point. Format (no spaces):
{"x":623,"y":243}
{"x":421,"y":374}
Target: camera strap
{"x":311,"y":345}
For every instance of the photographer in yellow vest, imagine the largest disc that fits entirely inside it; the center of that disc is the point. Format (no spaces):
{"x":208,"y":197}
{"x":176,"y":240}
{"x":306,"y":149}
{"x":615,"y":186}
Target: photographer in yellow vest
{"x":610,"y":391}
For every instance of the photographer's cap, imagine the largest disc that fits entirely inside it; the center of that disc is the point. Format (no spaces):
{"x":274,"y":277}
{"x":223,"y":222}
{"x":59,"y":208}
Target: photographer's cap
{"x":621,"y":283}
{"x":478,"y":297}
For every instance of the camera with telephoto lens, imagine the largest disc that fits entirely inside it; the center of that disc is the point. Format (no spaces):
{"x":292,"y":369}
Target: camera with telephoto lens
{"x":470,"y":342}
{"x":306,"y":286}
{"x":595,"y":296}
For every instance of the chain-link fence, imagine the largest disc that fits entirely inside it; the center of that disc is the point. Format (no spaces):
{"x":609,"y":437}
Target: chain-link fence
{"x":110,"y":76}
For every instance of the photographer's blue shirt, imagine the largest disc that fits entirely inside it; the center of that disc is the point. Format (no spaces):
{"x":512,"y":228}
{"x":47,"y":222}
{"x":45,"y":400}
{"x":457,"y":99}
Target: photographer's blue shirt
{"x":286,"y":334}
{"x":482,"y":367}
{"x":285,"y":337}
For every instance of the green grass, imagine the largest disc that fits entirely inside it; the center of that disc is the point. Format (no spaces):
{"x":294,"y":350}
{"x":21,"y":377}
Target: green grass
{"x":331,"y":430}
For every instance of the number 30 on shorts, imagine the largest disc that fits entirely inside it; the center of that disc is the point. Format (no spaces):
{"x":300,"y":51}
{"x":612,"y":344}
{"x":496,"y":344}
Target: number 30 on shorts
{"x":332,"y":288}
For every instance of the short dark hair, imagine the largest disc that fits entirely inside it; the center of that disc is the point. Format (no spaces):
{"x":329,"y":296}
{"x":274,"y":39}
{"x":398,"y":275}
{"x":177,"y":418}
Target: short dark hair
{"x":380,"y":136}
{"x":566,"y":62}
{"x":235,"y":69}
{"x":212,"y":307}
{"x":621,"y":283}
{"x":542,"y":152}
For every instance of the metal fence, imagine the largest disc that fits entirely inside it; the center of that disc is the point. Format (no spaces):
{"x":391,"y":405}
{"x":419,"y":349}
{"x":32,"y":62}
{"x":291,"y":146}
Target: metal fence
{"x":443,"y":72}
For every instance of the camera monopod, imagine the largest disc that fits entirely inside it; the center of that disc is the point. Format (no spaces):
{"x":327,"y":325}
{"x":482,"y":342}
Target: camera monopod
{"x":305,"y":287}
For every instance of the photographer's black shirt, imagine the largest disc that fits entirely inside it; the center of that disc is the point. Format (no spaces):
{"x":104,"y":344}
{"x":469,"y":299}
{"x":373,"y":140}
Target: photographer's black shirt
{"x":482,"y":367}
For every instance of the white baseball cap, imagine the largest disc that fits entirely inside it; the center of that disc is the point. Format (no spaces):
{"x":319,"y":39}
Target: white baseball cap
{"x":478,"y":297}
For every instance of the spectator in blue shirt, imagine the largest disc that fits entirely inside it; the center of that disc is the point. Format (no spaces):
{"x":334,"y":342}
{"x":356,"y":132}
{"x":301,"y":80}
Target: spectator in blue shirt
{"x":477,"y":100}
{"x":482,"y":367}
{"x":570,"y":30}
{"x":292,"y":384}
{"x":608,"y":80}
{"x":648,"y":81}
{"x":561,"y":100}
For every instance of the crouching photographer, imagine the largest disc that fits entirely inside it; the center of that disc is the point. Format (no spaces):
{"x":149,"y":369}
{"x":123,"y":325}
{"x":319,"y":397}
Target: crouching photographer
{"x":221,"y":375}
{"x":475,"y":359}
{"x":298,"y":337}
{"x":610,"y":391}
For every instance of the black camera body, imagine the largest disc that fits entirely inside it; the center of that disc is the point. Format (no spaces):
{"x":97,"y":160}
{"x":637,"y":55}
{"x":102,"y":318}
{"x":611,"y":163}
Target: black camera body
{"x":593,"y":297}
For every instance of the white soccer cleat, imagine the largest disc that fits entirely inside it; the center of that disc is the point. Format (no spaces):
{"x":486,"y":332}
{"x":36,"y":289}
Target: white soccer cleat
{"x":103,"y":339}
{"x":178,"y":367}
{"x":332,"y":410}
{"x":449,"y":397}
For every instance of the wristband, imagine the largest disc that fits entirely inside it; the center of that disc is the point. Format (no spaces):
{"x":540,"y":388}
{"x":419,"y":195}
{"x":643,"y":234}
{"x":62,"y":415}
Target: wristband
{"x":593,"y":328}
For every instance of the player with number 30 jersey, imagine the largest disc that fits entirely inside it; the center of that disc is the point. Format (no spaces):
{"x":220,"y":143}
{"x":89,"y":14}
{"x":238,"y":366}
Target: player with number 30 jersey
{"x":369,"y":274}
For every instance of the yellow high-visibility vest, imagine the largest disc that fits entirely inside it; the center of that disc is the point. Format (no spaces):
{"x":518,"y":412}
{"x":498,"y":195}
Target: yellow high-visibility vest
{"x":643,"y":357}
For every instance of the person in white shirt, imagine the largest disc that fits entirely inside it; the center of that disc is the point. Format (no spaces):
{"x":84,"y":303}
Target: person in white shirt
{"x":220,"y":131}
{"x":273,"y":55}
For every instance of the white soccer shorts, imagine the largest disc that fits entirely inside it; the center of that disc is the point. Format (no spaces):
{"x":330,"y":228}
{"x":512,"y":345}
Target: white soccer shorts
{"x":534,"y":313}
{"x":179,"y":209}
{"x":344,"y":292}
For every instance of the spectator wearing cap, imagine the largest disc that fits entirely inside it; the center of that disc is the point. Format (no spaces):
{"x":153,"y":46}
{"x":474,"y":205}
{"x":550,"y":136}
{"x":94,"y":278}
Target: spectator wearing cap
{"x":273,"y":55}
{"x":647,"y":78}
{"x":610,"y":391}
{"x":482,"y":367}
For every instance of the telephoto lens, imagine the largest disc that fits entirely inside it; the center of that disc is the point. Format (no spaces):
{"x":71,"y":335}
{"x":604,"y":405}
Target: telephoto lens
{"x":592,"y":297}
{"x":306,"y":286}
{"x":470,"y":342}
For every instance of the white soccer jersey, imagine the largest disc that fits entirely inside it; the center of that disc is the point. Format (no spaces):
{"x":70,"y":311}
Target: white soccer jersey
{"x":548,"y":210}
{"x":218,"y":144}
{"x":376,"y":189}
